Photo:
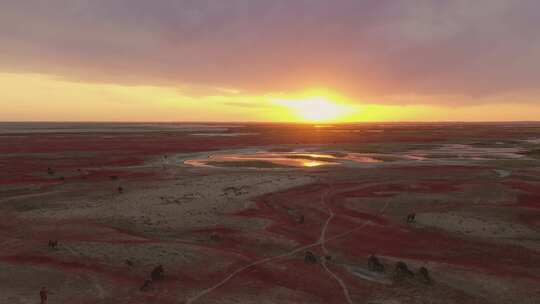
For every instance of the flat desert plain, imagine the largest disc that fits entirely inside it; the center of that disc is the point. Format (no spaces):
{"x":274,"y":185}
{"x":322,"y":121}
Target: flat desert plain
{"x":270,"y":213}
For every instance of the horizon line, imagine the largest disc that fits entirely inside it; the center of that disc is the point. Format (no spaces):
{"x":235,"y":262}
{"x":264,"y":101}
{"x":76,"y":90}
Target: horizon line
{"x":264,"y":122}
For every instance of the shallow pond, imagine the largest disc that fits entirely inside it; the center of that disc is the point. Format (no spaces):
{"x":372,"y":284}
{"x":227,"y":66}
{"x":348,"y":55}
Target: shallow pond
{"x":281,"y":160}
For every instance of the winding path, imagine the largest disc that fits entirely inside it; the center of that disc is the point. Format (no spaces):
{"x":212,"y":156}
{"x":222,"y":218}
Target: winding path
{"x":321,"y":242}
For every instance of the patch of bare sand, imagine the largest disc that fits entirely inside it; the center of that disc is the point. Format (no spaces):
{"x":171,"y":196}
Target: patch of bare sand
{"x":189,"y":202}
{"x":496,"y":289}
{"x":19,"y":284}
{"x":482,"y":227}
{"x":169,"y":211}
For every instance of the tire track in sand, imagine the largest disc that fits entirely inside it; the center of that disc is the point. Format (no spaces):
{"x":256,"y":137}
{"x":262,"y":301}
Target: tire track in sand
{"x":322,"y":240}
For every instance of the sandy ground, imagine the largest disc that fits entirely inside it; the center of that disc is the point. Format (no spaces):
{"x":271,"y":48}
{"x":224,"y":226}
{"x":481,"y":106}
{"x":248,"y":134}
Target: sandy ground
{"x":476,"y":226}
{"x":188,"y":203}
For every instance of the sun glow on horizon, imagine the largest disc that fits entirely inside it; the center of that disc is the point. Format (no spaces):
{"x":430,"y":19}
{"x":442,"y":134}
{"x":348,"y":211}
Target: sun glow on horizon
{"x":41,"y":97}
{"x":317,"y":108}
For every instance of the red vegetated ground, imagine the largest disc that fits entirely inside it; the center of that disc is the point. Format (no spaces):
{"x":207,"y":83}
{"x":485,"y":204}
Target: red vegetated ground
{"x":72,"y":151}
{"x":387,"y":238}
{"x":381,"y":236}
{"x":94,"y":157}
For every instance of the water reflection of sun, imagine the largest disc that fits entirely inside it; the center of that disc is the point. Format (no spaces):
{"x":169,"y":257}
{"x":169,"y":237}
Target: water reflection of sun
{"x":313,"y":163}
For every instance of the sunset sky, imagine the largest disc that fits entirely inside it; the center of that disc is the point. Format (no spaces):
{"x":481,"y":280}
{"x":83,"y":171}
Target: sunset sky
{"x":280,"y":60}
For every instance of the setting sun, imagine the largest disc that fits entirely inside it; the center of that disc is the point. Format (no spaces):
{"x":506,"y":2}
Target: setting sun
{"x":317,"y":108}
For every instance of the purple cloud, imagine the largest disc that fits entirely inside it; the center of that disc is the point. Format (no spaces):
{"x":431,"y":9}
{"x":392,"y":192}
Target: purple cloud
{"x":475,"y":48}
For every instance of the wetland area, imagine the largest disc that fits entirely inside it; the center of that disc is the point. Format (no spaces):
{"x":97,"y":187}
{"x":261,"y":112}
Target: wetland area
{"x":270,"y":213}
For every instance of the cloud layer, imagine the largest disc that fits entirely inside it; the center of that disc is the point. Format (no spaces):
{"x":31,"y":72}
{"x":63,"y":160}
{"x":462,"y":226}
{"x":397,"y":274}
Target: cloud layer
{"x":476,"y":48}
